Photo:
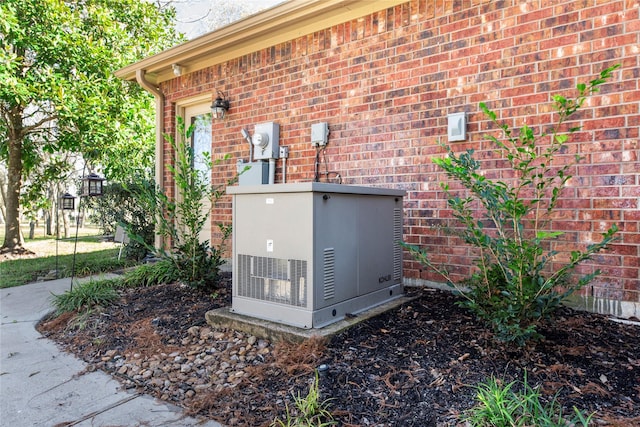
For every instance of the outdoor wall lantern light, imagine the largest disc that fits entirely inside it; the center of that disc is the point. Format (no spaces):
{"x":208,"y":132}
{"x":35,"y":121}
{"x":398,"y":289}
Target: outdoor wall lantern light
{"x":220,"y":106}
{"x":67,"y":202}
{"x":92,"y":185}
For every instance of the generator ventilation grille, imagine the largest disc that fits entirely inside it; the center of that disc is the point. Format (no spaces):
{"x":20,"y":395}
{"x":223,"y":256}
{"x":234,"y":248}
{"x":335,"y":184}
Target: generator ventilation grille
{"x":329,"y":273}
{"x":273,"y":279}
{"x":397,"y":249}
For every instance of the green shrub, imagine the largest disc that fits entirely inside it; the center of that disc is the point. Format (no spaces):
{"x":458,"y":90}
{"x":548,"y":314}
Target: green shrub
{"x":180,"y":220}
{"x":119,"y":205}
{"x":514,"y":287}
{"x":86,"y":296}
{"x":503,"y":406}
{"x":198,"y":264}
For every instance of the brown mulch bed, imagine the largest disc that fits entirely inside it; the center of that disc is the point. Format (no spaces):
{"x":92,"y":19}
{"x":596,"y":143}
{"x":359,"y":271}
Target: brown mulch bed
{"x":413,"y":366}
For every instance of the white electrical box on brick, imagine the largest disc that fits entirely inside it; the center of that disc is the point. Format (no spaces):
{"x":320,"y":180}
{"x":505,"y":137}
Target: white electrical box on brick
{"x":457,"y":126}
{"x":319,"y":134}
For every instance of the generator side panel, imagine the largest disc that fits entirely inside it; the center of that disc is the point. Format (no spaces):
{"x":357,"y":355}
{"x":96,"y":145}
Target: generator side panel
{"x":379,"y":233}
{"x":335,"y":248}
{"x":357,"y":257}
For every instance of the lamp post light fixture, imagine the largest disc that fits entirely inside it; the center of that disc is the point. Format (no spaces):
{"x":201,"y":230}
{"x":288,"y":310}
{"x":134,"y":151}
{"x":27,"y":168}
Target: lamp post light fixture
{"x":220,"y":106}
{"x":67,"y":202}
{"x":92,"y":185}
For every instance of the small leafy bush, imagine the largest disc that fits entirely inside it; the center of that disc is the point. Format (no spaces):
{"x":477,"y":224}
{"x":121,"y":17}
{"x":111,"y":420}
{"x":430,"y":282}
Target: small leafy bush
{"x":180,"y":220}
{"x":514,"y":286}
{"x":198,"y":264}
{"x":504,"y":406}
{"x":86,"y":296}
{"x":119,"y":205}
{"x":309,"y":411}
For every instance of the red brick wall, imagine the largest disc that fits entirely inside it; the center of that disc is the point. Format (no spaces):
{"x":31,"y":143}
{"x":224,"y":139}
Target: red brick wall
{"x":386,"y":82}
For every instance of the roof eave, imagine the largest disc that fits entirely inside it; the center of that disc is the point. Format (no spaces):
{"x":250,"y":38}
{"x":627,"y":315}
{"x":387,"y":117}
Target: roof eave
{"x":276,"y":25}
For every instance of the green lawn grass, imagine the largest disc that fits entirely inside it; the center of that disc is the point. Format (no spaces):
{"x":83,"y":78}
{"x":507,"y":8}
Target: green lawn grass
{"x":19,"y":272}
{"x":93,"y":255}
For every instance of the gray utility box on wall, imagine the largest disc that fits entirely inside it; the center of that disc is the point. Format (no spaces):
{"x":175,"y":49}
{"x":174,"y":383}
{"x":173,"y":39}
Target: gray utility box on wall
{"x":306,"y":254}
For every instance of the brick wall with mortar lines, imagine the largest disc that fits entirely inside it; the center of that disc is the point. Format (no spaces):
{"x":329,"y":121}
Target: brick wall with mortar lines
{"x":386,"y":82}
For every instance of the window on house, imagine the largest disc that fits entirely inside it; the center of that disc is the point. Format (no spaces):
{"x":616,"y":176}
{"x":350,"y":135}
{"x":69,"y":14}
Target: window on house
{"x":201,"y":144}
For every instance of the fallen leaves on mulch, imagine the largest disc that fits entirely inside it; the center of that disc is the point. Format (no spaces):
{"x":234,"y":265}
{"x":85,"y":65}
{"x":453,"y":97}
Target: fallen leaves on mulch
{"x":416,"y":365}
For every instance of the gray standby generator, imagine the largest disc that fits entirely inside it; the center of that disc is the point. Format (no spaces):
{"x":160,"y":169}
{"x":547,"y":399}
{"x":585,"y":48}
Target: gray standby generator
{"x":306,"y":254}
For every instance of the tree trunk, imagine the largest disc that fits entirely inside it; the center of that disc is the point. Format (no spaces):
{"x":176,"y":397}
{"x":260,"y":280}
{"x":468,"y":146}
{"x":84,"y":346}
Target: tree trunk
{"x":13,"y":239}
{"x":65,"y":223}
{"x":3,"y":195}
{"x":50,"y":211}
{"x":47,"y":223}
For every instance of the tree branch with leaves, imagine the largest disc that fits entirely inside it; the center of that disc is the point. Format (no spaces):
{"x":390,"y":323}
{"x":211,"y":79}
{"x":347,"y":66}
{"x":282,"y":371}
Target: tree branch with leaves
{"x":58,"y":92}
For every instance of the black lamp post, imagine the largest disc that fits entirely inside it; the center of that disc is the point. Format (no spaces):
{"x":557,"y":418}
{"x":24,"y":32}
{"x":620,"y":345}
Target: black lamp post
{"x":66,"y":202}
{"x":91,"y":186}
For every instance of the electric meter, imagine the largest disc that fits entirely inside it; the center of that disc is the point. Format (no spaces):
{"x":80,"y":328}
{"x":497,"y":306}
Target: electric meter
{"x":260,"y":140}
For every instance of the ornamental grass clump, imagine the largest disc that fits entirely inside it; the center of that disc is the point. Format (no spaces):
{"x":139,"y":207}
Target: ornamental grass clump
{"x":519,"y":405}
{"x":514,"y":285}
{"x":309,"y":410}
{"x":86,"y":296}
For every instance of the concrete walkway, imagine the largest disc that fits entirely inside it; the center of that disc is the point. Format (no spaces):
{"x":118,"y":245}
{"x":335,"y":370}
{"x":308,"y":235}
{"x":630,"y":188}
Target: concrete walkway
{"x":43,"y":386}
